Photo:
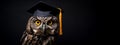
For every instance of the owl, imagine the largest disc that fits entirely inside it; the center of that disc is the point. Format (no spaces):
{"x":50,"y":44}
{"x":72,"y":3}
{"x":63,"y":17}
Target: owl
{"x":44,"y":26}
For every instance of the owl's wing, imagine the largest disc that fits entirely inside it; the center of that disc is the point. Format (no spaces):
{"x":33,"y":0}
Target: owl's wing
{"x":26,"y":38}
{"x":24,"y":35}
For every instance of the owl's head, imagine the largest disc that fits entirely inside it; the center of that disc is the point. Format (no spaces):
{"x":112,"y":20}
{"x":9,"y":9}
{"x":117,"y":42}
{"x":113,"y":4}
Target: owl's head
{"x":43,"y":25}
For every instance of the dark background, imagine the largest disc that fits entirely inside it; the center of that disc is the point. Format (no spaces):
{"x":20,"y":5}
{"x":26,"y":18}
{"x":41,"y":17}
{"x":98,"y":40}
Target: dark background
{"x":79,"y":20}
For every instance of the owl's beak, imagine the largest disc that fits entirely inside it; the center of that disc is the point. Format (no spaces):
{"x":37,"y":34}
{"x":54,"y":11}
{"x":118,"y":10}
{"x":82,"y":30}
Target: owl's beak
{"x":43,"y":27}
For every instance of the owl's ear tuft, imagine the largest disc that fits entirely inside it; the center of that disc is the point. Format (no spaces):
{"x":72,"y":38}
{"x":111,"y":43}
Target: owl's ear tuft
{"x":28,"y":28}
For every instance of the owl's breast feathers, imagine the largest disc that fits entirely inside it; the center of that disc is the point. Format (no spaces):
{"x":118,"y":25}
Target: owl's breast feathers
{"x":28,"y":39}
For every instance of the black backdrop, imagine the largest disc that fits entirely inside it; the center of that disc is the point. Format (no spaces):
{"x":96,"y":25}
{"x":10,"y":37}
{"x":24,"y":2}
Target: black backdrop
{"x":79,"y":20}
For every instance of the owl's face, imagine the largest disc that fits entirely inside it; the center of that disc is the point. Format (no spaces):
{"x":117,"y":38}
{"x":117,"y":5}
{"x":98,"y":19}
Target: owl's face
{"x":44,"y":25}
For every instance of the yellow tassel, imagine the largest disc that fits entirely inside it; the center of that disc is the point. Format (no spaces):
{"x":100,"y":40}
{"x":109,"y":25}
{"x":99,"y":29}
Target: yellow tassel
{"x":60,"y":22}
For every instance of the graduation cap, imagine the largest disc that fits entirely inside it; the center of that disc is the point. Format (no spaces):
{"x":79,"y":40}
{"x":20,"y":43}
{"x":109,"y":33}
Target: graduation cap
{"x":42,"y":9}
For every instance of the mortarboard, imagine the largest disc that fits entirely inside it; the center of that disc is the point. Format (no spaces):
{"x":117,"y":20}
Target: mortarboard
{"x":42,"y":9}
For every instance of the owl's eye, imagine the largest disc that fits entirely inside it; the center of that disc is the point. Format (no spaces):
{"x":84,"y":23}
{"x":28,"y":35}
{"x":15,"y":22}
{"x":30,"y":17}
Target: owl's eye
{"x":49,"y":22}
{"x":37,"y":22}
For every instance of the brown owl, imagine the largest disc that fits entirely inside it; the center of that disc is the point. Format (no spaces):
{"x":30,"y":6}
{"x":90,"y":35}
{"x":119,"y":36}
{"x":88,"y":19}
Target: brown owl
{"x":43,"y":27}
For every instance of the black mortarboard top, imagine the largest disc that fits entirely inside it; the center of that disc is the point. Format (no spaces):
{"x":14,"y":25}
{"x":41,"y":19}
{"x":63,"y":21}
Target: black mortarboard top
{"x":43,"y":9}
